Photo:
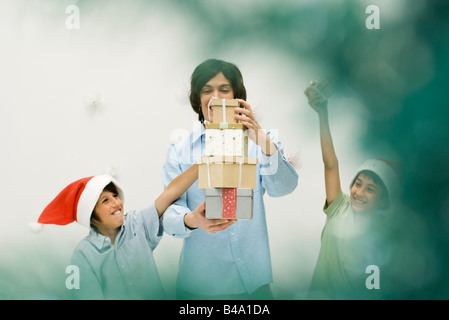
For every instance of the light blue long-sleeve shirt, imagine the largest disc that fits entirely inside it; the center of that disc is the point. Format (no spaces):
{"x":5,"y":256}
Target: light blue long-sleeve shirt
{"x":125,"y":269}
{"x":236,"y":260}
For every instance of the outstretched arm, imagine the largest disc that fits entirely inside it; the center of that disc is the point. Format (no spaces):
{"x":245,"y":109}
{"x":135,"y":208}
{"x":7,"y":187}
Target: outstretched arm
{"x":176,"y":188}
{"x":330,"y":160}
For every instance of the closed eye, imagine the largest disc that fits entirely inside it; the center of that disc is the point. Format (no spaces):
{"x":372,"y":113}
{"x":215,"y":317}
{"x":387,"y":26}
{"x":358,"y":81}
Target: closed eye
{"x":372,"y":190}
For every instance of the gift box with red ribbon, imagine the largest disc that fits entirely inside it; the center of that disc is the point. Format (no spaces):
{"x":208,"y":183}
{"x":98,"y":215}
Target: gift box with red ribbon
{"x":229,"y":203}
{"x":225,"y":171}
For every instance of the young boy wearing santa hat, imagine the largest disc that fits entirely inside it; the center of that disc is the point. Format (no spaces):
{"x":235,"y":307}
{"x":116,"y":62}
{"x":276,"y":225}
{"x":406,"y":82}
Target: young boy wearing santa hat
{"x":115,"y":260}
{"x":353,"y":239}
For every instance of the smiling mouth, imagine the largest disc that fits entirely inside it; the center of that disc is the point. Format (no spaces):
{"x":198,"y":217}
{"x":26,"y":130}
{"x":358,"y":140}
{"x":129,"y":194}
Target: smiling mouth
{"x":359,"y":202}
{"x":117,"y":212}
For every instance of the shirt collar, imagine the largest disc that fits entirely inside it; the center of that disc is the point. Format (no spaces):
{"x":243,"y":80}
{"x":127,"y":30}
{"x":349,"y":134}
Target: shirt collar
{"x":100,"y":241}
{"x":198,"y":133}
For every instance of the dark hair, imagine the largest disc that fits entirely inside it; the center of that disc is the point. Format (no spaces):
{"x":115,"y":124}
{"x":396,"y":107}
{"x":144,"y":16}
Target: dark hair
{"x":94,"y":216}
{"x":206,"y":71}
{"x":378,"y":181}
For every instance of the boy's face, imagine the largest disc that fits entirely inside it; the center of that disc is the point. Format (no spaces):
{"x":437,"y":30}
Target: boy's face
{"x":109,"y":209}
{"x":218,"y":87}
{"x":365,"y":194}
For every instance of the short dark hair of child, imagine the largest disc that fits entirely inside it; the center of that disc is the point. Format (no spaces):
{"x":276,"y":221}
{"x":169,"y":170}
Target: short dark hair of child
{"x":111,"y":188}
{"x":384,"y":197}
{"x":206,"y":71}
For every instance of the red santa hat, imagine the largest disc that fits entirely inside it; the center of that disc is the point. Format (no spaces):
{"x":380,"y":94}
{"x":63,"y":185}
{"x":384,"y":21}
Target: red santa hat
{"x":77,"y":201}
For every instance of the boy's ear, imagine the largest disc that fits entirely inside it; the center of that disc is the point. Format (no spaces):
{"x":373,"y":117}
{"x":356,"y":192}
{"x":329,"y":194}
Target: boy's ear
{"x":94,"y":218}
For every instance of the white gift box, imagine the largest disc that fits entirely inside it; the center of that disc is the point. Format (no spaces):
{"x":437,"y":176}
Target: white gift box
{"x":226,"y":142}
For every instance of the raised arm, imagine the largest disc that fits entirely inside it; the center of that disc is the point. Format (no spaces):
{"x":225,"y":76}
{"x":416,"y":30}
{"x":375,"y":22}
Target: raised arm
{"x":330,"y":160}
{"x":176,"y":188}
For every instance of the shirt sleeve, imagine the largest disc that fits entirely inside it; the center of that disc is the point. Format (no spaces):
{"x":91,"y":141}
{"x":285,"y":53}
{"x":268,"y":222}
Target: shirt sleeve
{"x":148,"y":221}
{"x":279,"y":178}
{"x":173,"y":217}
{"x":340,"y":200}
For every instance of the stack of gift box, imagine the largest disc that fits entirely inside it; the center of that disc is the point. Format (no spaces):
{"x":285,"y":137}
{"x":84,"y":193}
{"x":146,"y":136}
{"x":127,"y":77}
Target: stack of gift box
{"x":225,"y":171}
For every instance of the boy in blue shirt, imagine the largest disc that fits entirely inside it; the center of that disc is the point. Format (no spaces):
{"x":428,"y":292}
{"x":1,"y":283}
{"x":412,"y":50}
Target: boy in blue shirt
{"x":222,"y":258}
{"x":116,"y":259}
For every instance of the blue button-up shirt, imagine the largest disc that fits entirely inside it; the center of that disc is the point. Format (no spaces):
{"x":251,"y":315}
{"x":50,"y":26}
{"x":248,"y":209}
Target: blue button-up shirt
{"x":125,"y":269}
{"x":236,"y":260}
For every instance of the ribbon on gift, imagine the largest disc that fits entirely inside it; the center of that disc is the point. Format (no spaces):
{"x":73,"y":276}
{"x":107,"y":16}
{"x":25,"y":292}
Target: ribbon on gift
{"x":229,"y":198}
{"x":228,"y":195}
{"x":208,"y":108}
{"x":223,"y":125}
{"x":223,"y":108}
{"x":228,"y":203}
{"x":240,"y":162}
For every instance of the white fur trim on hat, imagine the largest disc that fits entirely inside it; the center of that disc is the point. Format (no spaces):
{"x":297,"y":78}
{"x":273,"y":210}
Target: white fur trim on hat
{"x":90,"y":195}
{"x":385,"y":172}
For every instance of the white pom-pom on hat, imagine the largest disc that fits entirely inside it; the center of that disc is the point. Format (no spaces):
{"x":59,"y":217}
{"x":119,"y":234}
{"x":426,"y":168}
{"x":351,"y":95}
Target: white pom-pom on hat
{"x":77,"y":201}
{"x":35,"y":227}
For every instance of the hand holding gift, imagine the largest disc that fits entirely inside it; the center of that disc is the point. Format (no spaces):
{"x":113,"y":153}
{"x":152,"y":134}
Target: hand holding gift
{"x":318,"y":93}
{"x":197,"y":219}
{"x":246,"y":117}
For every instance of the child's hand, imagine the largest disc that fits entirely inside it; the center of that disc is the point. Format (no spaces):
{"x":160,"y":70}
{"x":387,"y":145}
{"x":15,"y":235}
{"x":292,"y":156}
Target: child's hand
{"x":316,"y":101}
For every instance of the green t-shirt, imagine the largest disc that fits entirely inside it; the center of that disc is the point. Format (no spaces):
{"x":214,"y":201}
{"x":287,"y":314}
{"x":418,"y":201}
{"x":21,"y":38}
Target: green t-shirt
{"x":350,"y":243}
